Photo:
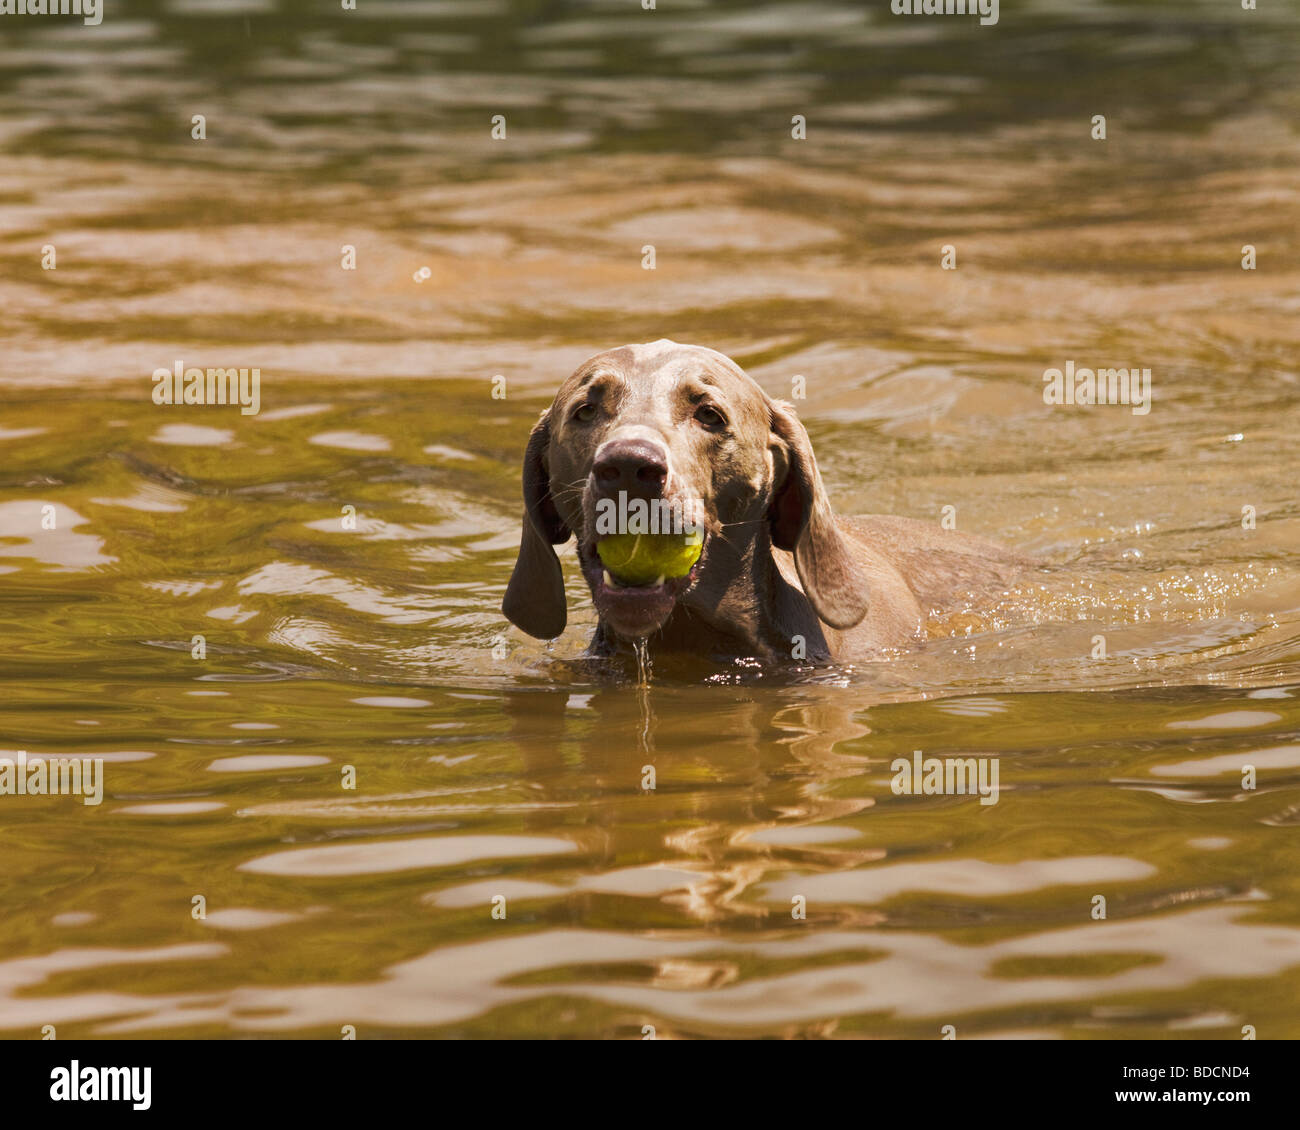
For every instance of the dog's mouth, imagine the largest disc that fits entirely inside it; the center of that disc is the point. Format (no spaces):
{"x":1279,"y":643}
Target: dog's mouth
{"x":634,"y":611}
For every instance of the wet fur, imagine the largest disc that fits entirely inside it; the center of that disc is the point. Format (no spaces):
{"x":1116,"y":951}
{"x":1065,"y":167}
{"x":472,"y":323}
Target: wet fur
{"x":778,"y":563}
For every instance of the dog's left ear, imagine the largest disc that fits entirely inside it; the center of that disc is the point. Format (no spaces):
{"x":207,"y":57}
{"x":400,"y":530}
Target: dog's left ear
{"x":801,"y":521}
{"x":534,"y":600}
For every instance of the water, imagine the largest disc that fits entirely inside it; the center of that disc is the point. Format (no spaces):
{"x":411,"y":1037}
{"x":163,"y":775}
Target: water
{"x":487,"y":764}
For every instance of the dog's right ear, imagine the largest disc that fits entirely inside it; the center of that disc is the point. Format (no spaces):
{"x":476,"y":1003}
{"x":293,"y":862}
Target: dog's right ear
{"x":534,"y":600}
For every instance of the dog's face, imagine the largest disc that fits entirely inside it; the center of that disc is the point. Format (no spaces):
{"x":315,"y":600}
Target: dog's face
{"x":685,"y":429}
{"x":678,"y":425}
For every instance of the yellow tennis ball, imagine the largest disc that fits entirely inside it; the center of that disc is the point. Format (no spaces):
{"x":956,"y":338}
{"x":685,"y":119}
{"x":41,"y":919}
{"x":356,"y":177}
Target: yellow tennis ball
{"x":640,"y":559}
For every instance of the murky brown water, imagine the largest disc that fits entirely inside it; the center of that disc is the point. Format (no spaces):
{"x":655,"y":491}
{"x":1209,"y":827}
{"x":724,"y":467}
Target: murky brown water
{"x":488,"y":764}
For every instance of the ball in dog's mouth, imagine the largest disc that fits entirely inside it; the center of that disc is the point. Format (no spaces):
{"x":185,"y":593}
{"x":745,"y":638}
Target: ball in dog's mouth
{"x":632,"y":602}
{"x":648,"y":559}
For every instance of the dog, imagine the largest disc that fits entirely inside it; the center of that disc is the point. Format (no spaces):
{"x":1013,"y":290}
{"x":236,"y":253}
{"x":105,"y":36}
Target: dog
{"x":779,"y":577}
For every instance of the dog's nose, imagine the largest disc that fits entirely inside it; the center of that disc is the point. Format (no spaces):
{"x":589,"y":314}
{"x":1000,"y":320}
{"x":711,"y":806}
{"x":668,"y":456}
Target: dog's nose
{"x":636,"y":466}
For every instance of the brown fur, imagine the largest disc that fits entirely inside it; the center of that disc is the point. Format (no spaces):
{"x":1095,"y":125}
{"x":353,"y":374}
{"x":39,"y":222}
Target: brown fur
{"x":777,"y":563}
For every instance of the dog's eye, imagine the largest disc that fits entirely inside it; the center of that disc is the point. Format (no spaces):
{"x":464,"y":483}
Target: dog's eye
{"x":585,"y":413}
{"x":710,"y":417}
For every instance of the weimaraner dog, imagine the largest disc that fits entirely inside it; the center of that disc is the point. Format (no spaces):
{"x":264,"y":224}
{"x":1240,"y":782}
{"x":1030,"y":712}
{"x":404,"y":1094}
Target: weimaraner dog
{"x":780,"y":577}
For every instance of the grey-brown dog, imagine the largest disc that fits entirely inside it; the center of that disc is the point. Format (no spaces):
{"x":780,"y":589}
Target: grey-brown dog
{"x":779,"y":576}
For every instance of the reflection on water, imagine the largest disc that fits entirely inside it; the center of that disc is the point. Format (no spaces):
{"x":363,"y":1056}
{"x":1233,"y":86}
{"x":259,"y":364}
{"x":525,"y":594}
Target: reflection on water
{"x":236,"y":613}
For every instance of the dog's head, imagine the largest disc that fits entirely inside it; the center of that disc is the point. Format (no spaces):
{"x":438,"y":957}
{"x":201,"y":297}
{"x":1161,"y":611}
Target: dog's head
{"x":686,"y":429}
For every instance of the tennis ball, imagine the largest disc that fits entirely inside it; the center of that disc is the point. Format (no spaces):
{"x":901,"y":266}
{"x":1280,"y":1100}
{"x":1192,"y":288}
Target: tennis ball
{"x":641,"y":559}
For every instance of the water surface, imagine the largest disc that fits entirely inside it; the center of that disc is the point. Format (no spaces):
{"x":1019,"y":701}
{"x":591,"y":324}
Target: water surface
{"x":488,"y":764}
